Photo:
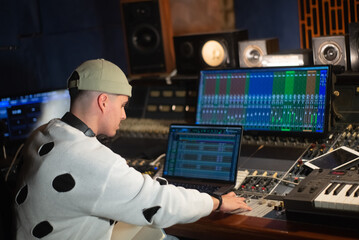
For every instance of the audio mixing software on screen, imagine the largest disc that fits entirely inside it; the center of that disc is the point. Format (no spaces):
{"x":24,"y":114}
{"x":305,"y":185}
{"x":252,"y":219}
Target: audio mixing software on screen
{"x":285,"y":99}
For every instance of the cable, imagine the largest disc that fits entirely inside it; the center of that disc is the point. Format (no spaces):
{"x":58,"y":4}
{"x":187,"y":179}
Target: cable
{"x":13,"y":161}
{"x":169,"y":77}
{"x":259,"y":148}
{"x":4,"y":151}
{"x":279,"y":179}
{"x":157,"y":159}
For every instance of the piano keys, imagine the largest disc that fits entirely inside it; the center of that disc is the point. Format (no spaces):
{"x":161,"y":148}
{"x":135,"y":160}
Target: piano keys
{"x":341,"y":196}
{"x":326,"y":197}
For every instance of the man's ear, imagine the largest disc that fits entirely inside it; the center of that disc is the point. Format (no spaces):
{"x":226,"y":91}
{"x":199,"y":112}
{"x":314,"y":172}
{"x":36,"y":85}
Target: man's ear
{"x":102,"y":101}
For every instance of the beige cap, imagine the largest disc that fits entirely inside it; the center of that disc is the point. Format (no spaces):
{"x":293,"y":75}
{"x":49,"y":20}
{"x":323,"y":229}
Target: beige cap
{"x":103,"y":76}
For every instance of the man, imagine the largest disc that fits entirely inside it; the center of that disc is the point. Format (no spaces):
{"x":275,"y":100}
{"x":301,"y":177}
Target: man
{"x":73,"y":187}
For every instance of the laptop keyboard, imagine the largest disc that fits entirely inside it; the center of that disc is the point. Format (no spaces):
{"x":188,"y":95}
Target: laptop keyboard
{"x":200,"y":187}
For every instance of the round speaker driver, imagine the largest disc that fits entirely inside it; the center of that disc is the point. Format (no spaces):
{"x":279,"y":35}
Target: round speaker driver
{"x":330,"y":53}
{"x":213,"y":53}
{"x":145,"y":38}
{"x":253,"y":56}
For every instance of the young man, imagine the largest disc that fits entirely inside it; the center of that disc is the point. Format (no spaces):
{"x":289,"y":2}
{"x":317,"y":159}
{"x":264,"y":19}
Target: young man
{"x":73,"y":187}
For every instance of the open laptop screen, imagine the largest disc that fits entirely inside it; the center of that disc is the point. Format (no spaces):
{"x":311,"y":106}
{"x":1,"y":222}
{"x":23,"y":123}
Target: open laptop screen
{"x":277,"y":100}
{"x":206,"y":152}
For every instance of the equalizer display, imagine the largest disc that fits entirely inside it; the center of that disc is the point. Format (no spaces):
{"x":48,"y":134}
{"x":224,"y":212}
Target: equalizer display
{"x":280,"y":99}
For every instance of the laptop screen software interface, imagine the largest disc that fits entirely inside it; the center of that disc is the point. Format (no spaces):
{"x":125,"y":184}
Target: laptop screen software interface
{"x":205,"y":152}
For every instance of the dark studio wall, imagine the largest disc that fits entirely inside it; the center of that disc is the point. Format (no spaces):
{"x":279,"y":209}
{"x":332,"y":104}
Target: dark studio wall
{"x":42,"y":41}
{"x":266,"y":19}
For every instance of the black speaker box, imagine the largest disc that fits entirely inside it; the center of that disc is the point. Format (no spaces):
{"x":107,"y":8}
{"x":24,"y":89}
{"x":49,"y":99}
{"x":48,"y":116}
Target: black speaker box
{"x":148,"y":37}
{"x":332,"y":50}
{"x":346,"y":100}
{"x":354,"y":46}
{"x":251,"y":52}
{"x":208,"y":51}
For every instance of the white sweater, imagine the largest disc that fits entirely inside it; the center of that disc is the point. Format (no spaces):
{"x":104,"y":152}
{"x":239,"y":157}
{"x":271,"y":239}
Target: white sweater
{"x":73,"y":187}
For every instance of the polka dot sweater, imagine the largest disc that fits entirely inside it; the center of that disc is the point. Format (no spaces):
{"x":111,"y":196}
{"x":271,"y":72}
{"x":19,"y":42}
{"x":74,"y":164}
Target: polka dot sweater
{"x":73,"y":187}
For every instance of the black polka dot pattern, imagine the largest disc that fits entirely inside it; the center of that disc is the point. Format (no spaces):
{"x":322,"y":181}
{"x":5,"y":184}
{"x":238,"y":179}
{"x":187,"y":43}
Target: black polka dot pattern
{"x":63,"y":183}
{"x":42,"y":229}
{"x":46,"y":148}
{"x":162,"y":181}
{"x":150,"y":212}
{"x":21,"y":195}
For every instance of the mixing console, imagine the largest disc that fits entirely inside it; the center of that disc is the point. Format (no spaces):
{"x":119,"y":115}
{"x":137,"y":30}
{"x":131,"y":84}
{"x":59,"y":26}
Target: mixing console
{"x":259,"y":182}
{"x":145,"y":166}
{"x":265,"y":189}
{"x":145,"y":128}
{"x":270,"y":167}
{"x":262,"y":207}
{"x":275,"y":183}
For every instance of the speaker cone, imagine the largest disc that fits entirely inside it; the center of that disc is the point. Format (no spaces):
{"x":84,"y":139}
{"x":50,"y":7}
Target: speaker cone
{"x":186,"y":49}
{"x":253,"y":56}
{"x":330,"y":53}
{"x":213,"y":53}
{"x":145,"y":38}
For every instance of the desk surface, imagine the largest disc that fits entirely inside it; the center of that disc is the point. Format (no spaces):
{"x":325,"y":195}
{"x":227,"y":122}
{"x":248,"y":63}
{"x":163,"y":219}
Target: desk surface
{"x":227,"y":226}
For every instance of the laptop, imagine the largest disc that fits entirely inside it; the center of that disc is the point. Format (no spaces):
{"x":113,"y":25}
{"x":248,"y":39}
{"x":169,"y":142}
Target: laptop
{"x":203,"y":157}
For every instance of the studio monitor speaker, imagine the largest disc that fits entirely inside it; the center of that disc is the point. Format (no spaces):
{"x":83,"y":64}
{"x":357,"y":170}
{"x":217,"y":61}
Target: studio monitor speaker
{"x":354,"y":46}
{"x":207,"y":51}
{"x":148,"y":37}
{"x":251,"y":52}
{"x":331,"y":50}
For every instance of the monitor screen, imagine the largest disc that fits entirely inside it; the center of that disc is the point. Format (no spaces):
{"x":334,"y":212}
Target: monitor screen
{"x":22,"y":114}
{"x":203,"y":151}
{"x":275,"y":100}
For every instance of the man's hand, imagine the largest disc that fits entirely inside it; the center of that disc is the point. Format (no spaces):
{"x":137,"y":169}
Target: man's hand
{"x":230,"y":202}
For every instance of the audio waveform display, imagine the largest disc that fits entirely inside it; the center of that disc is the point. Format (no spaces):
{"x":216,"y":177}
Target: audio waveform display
{"x":285,"y":99}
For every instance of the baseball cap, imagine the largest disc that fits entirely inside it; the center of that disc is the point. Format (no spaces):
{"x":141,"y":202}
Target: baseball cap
{"x":102,"y":76}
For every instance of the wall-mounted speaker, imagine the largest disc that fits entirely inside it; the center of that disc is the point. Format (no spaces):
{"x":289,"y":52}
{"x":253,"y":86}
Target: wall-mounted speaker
{"x":331,"y":50}
{"x":148,"y":37}
{"x":354,"y":46}
{"x":207,"y":51}
{"x":251,"y":52}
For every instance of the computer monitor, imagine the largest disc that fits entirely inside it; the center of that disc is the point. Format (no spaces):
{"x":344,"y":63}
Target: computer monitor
{"x":21,"y":114}
{"x":275,"y":100}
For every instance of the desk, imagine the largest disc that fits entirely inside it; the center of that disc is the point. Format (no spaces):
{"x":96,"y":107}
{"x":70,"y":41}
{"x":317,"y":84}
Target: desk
{"x":227,"y":226}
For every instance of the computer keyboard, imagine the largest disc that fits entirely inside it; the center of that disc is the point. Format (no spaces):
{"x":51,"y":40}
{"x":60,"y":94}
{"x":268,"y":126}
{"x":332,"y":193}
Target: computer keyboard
{"x":201,"y":188}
